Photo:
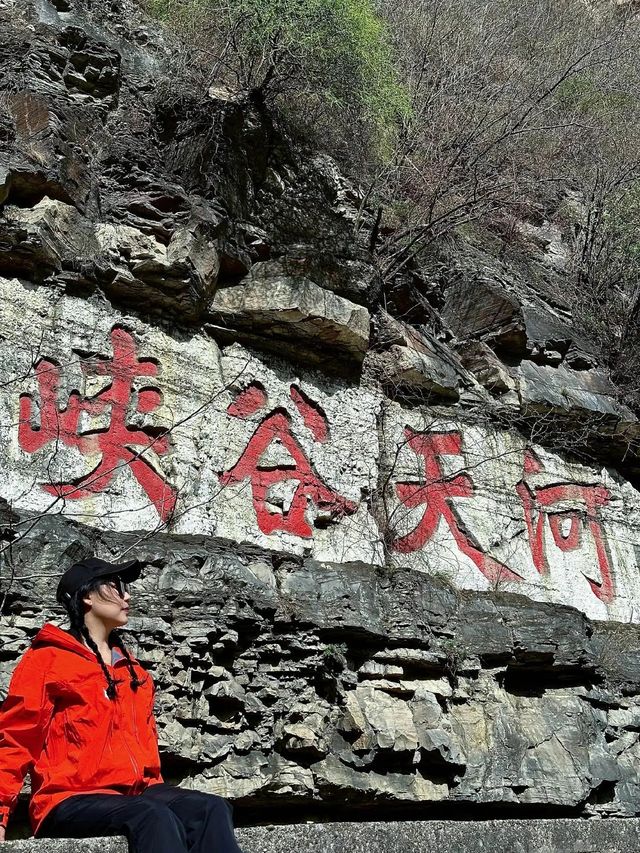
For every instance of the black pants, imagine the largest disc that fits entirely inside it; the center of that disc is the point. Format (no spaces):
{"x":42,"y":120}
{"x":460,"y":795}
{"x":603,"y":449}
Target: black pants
{"x":163,"y":819}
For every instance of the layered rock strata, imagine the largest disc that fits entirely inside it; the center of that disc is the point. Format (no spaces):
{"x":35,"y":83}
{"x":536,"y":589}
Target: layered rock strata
{"x":390,"y":529}
{"x":308,"y":685}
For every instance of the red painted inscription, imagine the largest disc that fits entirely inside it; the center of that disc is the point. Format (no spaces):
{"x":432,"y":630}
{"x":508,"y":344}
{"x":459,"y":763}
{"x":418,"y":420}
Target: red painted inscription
{"x":290,"y":464}
{"x":118,"y":444}
{"x":436,"y":493}
{"x":570,"y":510}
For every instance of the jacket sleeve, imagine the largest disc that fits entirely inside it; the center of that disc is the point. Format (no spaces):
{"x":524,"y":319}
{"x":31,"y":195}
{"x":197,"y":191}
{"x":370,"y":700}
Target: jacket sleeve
{"x":24,"y":720}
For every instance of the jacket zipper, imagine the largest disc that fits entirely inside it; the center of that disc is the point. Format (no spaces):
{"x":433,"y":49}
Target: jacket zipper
{"x":139,"y":778}
{"x":107,"y":740}
{"x":134,"y":764}
{"x":136,"y":767}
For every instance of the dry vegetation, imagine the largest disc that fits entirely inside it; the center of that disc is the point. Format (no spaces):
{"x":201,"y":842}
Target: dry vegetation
{"x":525,"y":111}
{"x":459,"y":114}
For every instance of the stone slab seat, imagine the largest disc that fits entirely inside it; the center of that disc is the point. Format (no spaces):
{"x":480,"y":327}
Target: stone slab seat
{"x":613,"y":835}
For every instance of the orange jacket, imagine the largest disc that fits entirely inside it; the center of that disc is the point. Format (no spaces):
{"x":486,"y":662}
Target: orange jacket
{"x":58,"y":725}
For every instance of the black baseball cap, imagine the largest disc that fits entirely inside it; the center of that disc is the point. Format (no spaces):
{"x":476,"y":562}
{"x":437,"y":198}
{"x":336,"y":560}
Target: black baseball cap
{"x":91,"y":568}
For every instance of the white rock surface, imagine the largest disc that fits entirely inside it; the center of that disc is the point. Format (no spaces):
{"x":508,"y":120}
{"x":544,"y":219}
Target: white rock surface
{"x":174,"y":434}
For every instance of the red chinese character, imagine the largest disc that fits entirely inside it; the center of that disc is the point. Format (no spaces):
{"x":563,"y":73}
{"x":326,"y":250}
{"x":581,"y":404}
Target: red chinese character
{"x":544,"y":503}
{"x":273,"y":434}
{"x":119,"y":444}
{"x":436,"y":494}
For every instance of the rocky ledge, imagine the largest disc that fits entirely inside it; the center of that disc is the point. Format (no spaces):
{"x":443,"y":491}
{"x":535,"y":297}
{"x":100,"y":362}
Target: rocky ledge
{"x":499,"y":836}
{"x":339,"y":691}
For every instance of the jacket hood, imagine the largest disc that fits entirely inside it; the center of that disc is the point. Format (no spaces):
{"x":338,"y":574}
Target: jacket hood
{"x":51,"y":635}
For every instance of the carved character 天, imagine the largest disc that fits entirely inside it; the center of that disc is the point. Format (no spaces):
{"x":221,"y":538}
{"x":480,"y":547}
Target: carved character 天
{"x":436,"y":492}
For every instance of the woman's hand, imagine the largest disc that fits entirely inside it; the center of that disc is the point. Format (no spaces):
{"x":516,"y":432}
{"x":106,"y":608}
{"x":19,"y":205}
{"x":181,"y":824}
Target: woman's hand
{"x":2,"y":833}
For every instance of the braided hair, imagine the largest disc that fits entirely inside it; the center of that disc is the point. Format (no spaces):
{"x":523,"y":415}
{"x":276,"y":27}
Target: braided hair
{"x":74,"y":606}
{"x":135,"y":681}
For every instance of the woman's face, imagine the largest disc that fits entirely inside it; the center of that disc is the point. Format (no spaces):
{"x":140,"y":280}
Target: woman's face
{"x":110,"y":604}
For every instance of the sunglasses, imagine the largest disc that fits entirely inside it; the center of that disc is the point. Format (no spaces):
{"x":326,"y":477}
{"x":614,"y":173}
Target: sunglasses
{"x":119,"y":586}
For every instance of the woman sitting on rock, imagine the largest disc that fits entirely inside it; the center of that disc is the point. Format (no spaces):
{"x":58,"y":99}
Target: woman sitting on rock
{"x":79,"y":718}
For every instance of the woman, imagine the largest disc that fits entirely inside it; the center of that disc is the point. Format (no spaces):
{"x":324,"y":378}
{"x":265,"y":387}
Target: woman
{"x":79,"y":718}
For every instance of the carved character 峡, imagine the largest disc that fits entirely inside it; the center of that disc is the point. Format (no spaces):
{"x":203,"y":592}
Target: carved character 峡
{"x":119,"y":444}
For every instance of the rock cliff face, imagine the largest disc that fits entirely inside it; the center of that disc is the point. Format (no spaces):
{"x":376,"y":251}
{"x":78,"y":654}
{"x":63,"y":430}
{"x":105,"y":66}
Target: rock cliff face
{"x":391,"y":536}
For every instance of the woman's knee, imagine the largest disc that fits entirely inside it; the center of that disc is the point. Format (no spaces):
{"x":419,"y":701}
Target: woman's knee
{"x":216,"y":803}
{"x":211,"y":803}
{"x":154,"y":813}
{"x":201,"y":797}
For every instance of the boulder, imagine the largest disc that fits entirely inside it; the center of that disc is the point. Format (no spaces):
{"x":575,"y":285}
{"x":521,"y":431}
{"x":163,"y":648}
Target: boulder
{"x":39,"y":241}
{"x":513,"y":324}
{"x":412,"y":363}
{"x":564,"y":391}
{"x":480,"y":360}
{"x":291,"y":314}
{"x":53,"y":239}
